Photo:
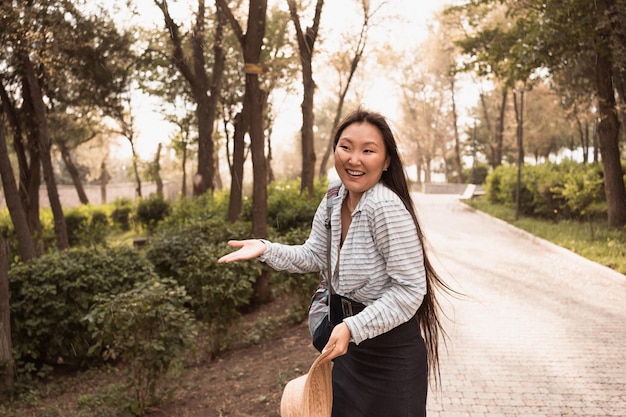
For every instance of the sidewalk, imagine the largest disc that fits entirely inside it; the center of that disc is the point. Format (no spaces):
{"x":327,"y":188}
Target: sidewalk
{"x":540,"y":331}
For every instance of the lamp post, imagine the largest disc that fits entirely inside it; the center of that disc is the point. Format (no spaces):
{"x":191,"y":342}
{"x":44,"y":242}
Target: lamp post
{"x":519,"y":115}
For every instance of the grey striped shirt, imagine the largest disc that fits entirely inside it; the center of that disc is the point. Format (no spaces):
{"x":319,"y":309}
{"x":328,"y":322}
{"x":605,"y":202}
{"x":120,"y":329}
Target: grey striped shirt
{"x":381,"y":263}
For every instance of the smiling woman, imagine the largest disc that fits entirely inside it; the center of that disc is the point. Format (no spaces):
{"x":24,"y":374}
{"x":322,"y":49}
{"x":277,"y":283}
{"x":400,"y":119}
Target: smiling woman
{"x":368,"y":246}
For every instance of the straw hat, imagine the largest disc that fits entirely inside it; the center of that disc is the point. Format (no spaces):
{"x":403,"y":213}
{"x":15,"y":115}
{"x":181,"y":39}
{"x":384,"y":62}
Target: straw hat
{"x":310,"y":395}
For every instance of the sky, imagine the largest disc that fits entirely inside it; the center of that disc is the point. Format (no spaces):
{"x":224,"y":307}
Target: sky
{"x":409,"y":30}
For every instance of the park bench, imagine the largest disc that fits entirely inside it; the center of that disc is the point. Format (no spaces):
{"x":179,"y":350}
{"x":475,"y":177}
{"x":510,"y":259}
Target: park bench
{"x":471,"y":191}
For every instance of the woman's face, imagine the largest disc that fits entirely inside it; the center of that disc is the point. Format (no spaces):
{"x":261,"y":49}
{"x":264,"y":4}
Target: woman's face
{"x":360,"y":157}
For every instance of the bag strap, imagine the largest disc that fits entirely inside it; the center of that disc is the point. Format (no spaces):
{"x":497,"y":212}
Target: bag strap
{"x":333,"y":191}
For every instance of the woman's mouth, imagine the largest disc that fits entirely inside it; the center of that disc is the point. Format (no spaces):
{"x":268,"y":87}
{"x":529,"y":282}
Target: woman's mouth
{"x":355,"y":173}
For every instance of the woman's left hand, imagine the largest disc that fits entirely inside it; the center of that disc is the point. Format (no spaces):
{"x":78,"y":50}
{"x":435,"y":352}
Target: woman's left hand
{"x":338,"y":342}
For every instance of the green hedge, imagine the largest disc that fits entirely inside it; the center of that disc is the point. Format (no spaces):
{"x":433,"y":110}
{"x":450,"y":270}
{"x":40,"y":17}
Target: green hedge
{"x":51,"y":295}
{"x":568,"y":190}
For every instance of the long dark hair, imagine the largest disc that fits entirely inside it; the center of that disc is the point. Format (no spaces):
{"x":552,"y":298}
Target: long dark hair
{"x":395,"y":179}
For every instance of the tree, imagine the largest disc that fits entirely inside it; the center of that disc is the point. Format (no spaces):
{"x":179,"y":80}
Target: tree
{"x":346,"y":63}
{"x":58,"y":61}
{"x":548,"y":36}
{"x":306,"y":46}
{"x":25,"y":239}
{"x":254,"y":99}
{"x":33,"y":96}
{"x":6,"y":355}
{"x":205,"y":89}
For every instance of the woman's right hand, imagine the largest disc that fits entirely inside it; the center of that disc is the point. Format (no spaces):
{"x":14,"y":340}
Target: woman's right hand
{"x":248,"y":249}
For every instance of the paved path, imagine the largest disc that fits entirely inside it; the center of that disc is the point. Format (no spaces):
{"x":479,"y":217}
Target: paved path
{"x":541,"y":332}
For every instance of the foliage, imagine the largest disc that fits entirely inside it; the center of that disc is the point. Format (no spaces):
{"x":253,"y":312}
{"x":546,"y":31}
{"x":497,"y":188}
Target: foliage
{"x":218,"y":291}
{"x":86,"y":225}
{"x":287,"y":208}
{"x":476,"y":174}
{"x":51,"y":294}
{"x":301,"y":285}
{"x":121,"y":214}
{"x":152,"y":210}
{"x":187,"y":251}
{"x":567,"y":190}
{"x":148,"y":328}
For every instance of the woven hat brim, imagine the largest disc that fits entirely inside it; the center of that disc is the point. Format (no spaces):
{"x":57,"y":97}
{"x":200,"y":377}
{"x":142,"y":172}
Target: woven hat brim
{"x":310,"y":395}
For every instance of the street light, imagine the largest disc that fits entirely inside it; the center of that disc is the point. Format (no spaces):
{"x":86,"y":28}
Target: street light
{"x":519,"y":116}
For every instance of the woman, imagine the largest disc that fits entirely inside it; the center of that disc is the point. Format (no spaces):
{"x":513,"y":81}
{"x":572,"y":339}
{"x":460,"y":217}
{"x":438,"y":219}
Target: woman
{"x":381,"y":360}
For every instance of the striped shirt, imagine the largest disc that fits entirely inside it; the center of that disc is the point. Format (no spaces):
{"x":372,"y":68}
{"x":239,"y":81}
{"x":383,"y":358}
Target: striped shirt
{"x":381,"y":263}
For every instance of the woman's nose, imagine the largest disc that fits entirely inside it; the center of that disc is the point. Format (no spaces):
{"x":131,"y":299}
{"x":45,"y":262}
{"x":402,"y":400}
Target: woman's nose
{"x":354,"y":159}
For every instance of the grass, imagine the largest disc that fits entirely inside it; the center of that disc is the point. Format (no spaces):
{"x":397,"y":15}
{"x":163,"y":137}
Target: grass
{"x":593,"y":241}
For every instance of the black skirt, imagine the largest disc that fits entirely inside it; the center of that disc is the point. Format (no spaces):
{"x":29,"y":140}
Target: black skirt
{"x":383,"y":377}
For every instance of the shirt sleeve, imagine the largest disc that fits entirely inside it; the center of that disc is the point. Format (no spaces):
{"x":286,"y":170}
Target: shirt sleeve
{"x":395,"y":237}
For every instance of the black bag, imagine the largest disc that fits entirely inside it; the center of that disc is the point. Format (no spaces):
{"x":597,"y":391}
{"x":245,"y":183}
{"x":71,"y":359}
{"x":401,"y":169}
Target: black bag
{"x":322,"y":332}
{"x":337,"y":312}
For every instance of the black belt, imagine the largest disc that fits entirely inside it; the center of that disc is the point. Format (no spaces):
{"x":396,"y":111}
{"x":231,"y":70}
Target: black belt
{"x":342,"y":307}
{"x":350,"y":307}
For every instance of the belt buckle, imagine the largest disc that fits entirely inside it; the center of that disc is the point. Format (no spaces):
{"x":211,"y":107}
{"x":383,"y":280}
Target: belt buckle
{"x":346,"y":307}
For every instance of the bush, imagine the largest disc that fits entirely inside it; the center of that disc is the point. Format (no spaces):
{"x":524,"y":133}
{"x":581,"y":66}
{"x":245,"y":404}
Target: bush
{"x":148,"y":328}
{"x":121,"y":213}
{"x":549,"y":190}
{"x":188,"y":253}
{"x":51,"y":294}
{"x":86,"y":225}
{"x":151,"y":211}
{"x":287,"y":209}
{"x":301,"y":285}
{"x":218,"y":291}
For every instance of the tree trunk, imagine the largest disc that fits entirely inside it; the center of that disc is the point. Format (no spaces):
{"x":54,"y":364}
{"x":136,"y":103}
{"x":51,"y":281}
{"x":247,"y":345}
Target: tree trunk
{"x":236,"y":172}
{"x":33,"y":93}
{"x":255,"y":101}
{"x":458,"y":166}
{"x":306,"y":44}
{"x":608,"y":141}
{"x":6,"y":355}
{"x":25,"y":239}
{"x":157,"y":171}
{"x":492,"y":138}
{"x":29,"y":173}
{"x":184,"y":166}
{"x":73,"y":171}
{"x":104,"y":180}
{"x":500,"y":130}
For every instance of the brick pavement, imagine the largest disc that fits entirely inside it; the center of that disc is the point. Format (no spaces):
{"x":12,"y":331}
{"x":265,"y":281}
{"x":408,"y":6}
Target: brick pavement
{"x":540,"y":331}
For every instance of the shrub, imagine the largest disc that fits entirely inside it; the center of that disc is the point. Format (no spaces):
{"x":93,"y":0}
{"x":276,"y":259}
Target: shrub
{"x":218,"y":291}
{"x":51,"y":294}
{"x":86,"y":225}
{"x":148,"y":328}
{"x":287,"y":208}
{"x":121,"y":213}
{"x":301,"y":285}
{"x":152,"y":210}
{"x":549,"y":190}
{"x":188,"y":253}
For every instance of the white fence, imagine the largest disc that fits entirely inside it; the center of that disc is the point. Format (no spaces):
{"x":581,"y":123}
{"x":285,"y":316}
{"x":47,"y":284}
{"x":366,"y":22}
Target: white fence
{"x":69,"y":196}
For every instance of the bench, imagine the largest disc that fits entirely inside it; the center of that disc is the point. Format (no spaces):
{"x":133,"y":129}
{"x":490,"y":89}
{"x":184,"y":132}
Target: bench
{"x":471,"y":191}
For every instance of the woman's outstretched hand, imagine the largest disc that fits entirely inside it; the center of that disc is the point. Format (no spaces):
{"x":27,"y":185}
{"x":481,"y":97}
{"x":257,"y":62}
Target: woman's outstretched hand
{"x":248,"y":249}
